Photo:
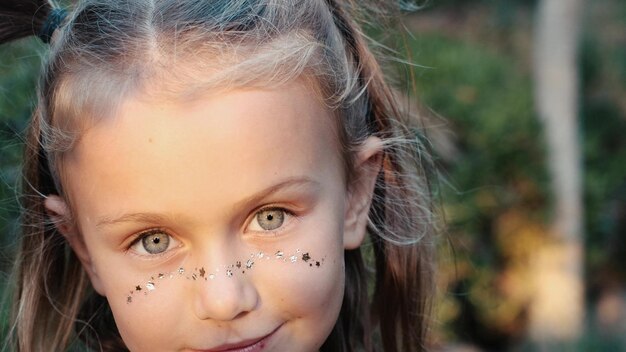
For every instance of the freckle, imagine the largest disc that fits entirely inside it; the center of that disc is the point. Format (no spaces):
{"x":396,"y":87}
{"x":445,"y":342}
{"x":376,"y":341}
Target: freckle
{"x":239,"y":264}
{"x":310,"y":264}
{"x":243,"y":271}
{"x":202,"y":272}
{"x":150,"y":140}
{"x":306,"y":257}
{"x":194,"y":276}
{"x":129,"y":299}
{"x":137,"y":288}
{"x":317,"y":264}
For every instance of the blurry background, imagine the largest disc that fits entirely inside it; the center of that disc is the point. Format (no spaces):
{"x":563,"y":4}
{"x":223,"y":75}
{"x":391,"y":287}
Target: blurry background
{"x":533,"y":172}
{"x":533,"y":184}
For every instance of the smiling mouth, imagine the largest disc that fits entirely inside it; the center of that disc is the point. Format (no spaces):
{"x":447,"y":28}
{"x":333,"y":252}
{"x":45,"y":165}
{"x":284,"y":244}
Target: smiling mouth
{"x":251,"y":345}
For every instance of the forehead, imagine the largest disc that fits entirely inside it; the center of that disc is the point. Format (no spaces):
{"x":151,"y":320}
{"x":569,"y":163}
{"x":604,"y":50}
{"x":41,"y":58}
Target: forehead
{"x":218,"y":147}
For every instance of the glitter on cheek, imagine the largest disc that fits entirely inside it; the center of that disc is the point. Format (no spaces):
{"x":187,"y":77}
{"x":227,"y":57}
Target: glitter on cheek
{"x":229,"y":273}
{"x":293,"y":258}
{"x":150,"y":286}
{"x":249,"y":264}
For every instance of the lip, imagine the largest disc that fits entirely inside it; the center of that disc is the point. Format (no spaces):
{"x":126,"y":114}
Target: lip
{"x":251,"y":345}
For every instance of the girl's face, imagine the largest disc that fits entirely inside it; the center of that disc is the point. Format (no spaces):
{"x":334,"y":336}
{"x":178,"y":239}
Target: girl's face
{"x":218,"y":224}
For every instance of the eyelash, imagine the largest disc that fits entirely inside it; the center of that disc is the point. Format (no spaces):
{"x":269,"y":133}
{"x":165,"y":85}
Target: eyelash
{"x":290,"y":216}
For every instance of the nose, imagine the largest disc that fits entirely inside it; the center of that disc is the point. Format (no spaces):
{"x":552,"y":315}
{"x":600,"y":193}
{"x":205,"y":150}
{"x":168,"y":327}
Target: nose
{"x":225,"y":294}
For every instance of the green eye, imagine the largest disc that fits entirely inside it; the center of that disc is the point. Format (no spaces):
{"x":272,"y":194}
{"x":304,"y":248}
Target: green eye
{"x":155,"y":242}
{"x":270,"y":219}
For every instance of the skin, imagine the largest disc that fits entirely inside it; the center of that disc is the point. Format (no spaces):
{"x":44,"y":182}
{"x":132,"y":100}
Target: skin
{"x":199,"y":173}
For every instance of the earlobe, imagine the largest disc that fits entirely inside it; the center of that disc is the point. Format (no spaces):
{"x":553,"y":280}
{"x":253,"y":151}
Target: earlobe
{"x":59,"y":214}
{"x":367,"y":166}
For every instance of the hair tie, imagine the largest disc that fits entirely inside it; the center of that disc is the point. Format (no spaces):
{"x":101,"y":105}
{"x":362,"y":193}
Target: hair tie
{"x":53,"y":21}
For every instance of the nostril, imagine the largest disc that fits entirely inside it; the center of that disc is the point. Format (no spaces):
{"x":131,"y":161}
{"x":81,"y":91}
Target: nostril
{"x":241,"y":315}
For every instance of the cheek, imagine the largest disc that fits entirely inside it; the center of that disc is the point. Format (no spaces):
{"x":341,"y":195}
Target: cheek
{"x":317,"y":298}
{"x":142,"y":326}
{"x":309,"y":297}
{"x":302,"y":287}
{"x":144,"y":318}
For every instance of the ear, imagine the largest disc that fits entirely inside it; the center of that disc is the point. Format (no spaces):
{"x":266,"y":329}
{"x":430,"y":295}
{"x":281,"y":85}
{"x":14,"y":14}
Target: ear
{"x":59,"y":214}
{"x":360,"y":192}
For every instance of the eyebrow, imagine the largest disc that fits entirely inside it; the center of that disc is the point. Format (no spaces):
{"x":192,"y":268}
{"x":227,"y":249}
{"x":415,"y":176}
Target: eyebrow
{"x":292,"y":182}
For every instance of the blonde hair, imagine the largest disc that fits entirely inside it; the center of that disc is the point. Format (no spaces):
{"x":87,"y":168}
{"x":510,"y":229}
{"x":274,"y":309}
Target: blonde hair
{"x":110,"y":50}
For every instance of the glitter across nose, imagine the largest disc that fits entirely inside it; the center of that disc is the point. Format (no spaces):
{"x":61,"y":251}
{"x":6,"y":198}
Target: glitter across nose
{"x":202,"y":274}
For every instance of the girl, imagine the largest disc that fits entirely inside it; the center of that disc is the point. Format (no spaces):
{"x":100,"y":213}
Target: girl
{"x":201,"y":176}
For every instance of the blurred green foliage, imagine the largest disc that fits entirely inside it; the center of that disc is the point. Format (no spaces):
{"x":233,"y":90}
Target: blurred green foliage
{"x":497,"y":167}
{"x":20,"y":64}
{"x":19,"y":69}
{"x":476,"y":83}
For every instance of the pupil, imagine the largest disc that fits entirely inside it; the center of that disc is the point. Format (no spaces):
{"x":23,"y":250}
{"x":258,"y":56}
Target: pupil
{"x":270,"y":217}
{"x":156,"y":240}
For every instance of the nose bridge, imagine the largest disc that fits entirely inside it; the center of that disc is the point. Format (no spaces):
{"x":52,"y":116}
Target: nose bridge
{"x":223,"y":290}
